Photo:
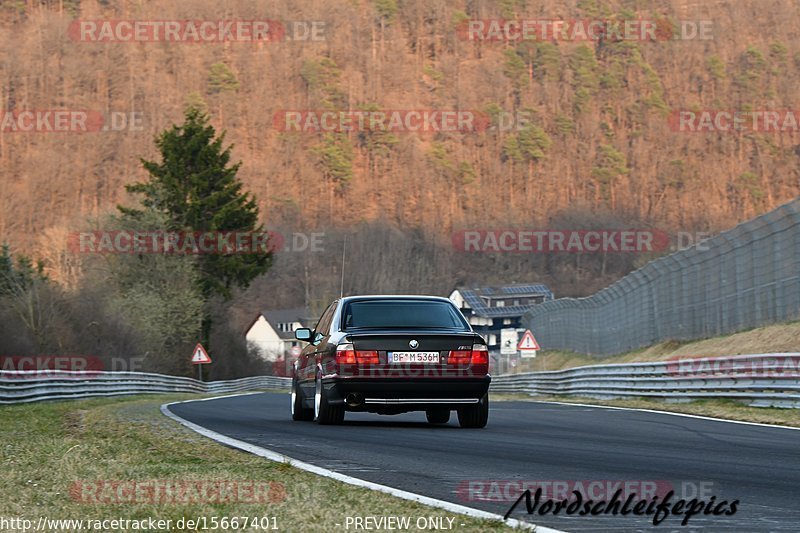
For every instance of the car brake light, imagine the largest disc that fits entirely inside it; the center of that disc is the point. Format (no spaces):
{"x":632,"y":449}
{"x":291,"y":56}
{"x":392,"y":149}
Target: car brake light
{"x":346,"y":355}
{"x":367,"y":357}
{"x":459,"y":357}
{"x":480,"y":354}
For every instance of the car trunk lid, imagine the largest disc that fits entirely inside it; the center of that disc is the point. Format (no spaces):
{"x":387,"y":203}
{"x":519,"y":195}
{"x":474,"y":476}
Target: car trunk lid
{"x":413,"y":354}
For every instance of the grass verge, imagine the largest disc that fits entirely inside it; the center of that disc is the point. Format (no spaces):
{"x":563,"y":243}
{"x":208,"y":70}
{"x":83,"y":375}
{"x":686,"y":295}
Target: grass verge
{"x":49,"y":447}
{"x":727,"y":409}
{"x":777,"y":338}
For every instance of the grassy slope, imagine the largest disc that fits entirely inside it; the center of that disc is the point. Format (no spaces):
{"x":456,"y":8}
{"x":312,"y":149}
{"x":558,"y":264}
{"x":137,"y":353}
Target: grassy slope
{"x":779,"y":338}
{"x":48,"y":446}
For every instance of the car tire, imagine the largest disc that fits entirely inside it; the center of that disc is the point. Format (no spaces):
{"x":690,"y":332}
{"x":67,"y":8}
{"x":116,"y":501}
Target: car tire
{"x":475,"y":416}
{"x":438,"y":416}
{"x":298,"y":411}
{"x":325,"y":413}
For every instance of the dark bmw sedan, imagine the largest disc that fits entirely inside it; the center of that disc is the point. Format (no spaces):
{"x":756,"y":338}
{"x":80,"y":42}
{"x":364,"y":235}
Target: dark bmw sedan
{"x":390,"y":355}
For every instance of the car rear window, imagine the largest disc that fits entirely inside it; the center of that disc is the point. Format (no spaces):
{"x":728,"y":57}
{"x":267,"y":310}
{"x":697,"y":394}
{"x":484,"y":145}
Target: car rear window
{"x":402,"y":314}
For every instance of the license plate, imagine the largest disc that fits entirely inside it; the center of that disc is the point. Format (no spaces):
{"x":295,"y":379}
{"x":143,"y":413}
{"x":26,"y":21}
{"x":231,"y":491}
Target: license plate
{"x":413,"y":357}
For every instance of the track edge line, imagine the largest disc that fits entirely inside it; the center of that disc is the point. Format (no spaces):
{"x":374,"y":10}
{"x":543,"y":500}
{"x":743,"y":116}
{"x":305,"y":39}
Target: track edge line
{"x":318,"y":470}
{"x":673,"y":413}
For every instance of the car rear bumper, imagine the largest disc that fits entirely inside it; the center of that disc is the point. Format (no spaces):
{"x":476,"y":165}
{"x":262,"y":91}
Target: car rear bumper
{"x":382,"y":394}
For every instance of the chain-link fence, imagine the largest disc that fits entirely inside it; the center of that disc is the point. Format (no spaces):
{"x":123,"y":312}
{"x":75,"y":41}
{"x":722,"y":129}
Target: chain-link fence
{"x":742,"y":278}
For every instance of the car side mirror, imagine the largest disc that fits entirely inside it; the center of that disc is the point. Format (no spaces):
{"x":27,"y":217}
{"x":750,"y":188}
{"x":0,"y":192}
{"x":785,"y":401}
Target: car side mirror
{"x":303,"y":334}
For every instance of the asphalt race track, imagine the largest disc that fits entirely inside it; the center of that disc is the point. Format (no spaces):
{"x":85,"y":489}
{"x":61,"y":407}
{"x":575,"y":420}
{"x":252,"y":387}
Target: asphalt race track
{"x":759,"y":466}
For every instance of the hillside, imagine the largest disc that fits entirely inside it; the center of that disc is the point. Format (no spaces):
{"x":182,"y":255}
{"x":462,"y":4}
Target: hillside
{"x":600,"y":148}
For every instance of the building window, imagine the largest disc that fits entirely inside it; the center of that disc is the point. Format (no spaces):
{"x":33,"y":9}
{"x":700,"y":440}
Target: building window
{"x":506,"y":321}
{"x":500,"y":303}
{"x":516,"y":302}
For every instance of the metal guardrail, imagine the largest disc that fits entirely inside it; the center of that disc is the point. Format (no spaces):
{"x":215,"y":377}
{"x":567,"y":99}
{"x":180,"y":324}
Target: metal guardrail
{"x":39,"y":385}
{"x":760,"y":380}
{"x":763,"y":380}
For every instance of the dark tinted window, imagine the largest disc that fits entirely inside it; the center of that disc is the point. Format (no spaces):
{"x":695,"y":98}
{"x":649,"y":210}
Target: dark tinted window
{"x":402,"y":314}
{"x":323,"y":326}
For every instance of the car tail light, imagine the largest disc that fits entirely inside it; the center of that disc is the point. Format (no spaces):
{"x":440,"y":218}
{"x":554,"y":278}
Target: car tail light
{"x":459,"y":357}
{"x":480,"y":354}
{"x":365,"y":357}
{"x":345,"y":354}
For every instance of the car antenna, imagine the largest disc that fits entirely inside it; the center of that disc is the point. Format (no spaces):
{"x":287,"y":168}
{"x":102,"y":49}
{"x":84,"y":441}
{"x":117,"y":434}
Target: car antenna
{"x":344,"y":248}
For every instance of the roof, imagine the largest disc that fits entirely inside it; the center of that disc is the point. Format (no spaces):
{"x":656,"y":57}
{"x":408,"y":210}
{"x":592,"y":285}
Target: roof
{"x":394,"y":297}
{"x":479,"y":298}
{"x":285,"y":315}
{"x":278,"y":316}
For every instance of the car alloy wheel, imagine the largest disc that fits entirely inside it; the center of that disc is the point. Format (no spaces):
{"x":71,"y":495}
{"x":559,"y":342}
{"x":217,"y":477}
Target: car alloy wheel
{"x":325,"y":413}
{"x":299,"y":412}
{"x":317,"y":398}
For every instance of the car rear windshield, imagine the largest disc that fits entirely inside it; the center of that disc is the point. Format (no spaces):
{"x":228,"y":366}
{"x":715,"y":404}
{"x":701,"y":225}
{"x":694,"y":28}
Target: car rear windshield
{"x":375,"y":314}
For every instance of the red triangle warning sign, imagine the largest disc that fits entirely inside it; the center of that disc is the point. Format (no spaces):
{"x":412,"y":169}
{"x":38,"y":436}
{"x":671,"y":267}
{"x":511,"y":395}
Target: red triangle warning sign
{"x":200,"y":356}
{"x":528,"y":342}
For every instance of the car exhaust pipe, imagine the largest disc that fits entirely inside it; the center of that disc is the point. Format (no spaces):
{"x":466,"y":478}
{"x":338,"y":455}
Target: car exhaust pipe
{"x":354,"y":399}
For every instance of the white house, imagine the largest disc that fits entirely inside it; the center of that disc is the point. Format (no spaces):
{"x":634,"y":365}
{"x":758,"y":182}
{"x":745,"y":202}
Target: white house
{"x":272,"y":332}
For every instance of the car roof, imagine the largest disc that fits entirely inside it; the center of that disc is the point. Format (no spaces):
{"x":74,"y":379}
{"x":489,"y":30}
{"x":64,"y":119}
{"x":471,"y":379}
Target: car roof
{"x":395,"y":297}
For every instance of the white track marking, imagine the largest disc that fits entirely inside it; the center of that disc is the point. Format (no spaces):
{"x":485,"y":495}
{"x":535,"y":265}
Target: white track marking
{"x":663,"y":413}
{"x":308,"y":467}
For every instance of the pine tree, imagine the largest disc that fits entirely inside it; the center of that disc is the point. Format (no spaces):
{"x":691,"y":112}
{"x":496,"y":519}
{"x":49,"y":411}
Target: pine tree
{"x":196,"y":189}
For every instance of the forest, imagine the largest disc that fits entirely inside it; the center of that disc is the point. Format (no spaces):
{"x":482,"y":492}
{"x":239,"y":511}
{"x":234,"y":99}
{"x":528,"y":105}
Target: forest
{"x":597,"y":149}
